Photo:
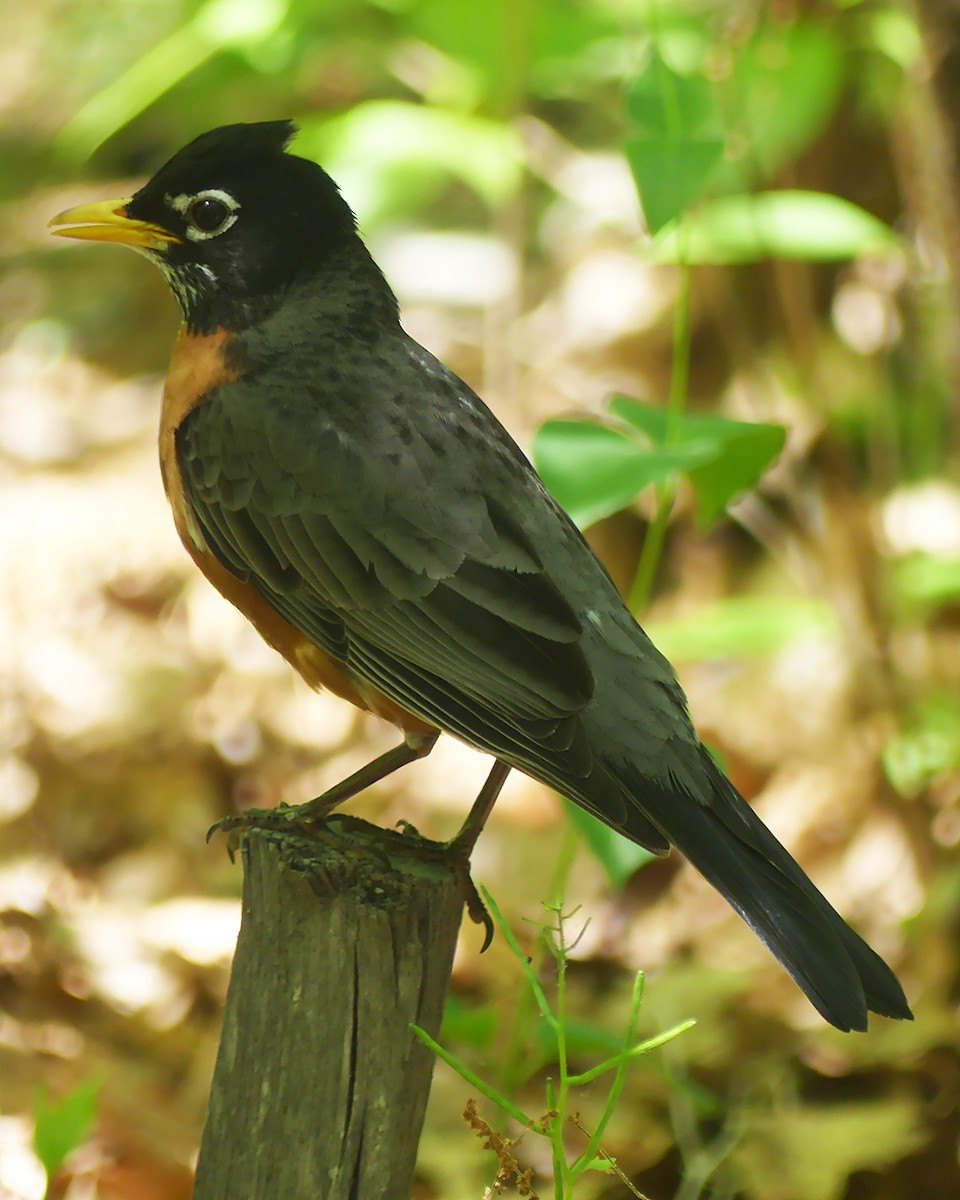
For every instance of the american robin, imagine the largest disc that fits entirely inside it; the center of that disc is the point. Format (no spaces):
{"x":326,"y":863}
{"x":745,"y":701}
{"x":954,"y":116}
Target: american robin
{"x":381,"y":529}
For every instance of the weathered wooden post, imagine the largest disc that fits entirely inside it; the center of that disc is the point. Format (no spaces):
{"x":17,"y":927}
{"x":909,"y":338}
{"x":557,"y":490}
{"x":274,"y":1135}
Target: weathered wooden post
{"x":320,"y":1087}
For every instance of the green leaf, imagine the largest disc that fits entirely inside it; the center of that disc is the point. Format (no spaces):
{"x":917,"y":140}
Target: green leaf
{"x":743,"y":625}
{"x":725,"y":457}
{"x":786,"y":84}
{"x":663,"y":103}
{"x":388,"y":153}
{"x":61,"y":1126}
{"x":216,"y":26}
{"x":619,"y":857}
{"x":605,"y":1165}
{"x":679,"y":144}
{"x":682,"y":37}
{"x":507,"y":48}
{"x":787,"y":224}
{"x":670,"y":174}
{"x":595,"y":471}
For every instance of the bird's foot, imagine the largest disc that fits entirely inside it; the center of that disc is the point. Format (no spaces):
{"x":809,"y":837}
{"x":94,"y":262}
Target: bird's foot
{"x":312,"y":819}
{"x":340,"y":830}
{"x":455,"y":853}
{"x":476,"y":909}
{"x":234,"y":825}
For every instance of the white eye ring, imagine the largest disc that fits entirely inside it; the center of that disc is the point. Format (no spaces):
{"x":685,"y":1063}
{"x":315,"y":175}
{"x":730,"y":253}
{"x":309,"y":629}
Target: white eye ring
{"x":187,"y":205}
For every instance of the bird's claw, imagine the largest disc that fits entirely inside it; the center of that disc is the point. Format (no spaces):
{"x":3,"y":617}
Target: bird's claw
{"x":459,"y":858}
{"x":457,"y":854}
{"x":335,"y":828}
{"x":235,"y":824}
{"x":331,"y":827}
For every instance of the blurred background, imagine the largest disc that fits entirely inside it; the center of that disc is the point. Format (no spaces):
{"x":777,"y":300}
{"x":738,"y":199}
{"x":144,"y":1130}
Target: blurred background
{"x":492,"y":154}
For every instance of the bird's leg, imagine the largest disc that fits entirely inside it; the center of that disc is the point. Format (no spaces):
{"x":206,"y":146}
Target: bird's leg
{"x":414,"y":746}
{"x":462,"y":845}
{"x":459,"y":849}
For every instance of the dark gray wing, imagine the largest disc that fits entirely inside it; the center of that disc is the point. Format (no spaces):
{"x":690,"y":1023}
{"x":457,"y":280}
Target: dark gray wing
{"x":386,"y":528}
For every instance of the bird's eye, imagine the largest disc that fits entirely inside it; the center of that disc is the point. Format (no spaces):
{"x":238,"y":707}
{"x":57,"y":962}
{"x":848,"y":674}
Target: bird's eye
{"x":207,"y":214}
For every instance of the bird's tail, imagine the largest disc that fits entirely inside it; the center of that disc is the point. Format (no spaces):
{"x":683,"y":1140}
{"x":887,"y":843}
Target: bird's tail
{"x":731,"y":847}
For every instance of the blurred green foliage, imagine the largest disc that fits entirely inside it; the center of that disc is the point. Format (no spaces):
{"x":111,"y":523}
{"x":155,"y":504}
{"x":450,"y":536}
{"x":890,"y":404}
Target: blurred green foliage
{"x":594,"y":470}
{"x":562,"y":1039}
{"x":798,"y":272}
{"x":62,"y":1126}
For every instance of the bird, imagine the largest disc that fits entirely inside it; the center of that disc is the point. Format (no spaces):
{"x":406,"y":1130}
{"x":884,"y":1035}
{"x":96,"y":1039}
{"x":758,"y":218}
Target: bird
{"x":381,"y":529}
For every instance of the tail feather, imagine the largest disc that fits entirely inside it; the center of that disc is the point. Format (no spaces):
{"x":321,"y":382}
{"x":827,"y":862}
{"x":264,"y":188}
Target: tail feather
{"x":730,"y":846}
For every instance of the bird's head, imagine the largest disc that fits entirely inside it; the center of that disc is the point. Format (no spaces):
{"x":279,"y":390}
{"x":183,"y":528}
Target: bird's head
{"x":231,"y":220}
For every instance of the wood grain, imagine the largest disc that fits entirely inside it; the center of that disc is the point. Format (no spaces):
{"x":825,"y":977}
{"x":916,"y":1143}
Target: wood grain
{"x":320,"y":1088}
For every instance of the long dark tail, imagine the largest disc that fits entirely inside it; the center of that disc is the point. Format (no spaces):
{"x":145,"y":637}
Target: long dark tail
{"x":731,"y":847}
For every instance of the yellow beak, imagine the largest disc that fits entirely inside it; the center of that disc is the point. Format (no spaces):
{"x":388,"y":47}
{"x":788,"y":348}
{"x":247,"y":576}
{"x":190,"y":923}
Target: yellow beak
{"x":107,"y":221}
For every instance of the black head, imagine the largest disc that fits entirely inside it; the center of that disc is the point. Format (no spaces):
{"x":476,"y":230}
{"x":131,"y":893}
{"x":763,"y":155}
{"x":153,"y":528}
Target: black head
{"x":232,"y":220}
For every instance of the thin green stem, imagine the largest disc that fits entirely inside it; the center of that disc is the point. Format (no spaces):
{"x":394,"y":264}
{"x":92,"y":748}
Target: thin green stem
{"x":512,"y":1070}
{"x":652,"y":550}
{"x":542,"y":1003}
{"x":619,"y":1078}
{"x":474,"y":1080}
{"x":556,"y":1144}
{"x":561,"y":1027}
{"x":653,"y":543}
{"x":633,"y":1052}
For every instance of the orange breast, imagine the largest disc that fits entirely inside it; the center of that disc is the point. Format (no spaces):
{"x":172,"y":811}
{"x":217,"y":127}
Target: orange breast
{"x":198,"y":365}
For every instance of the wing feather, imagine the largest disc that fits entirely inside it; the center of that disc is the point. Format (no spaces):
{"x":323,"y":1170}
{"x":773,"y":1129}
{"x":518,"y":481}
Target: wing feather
{"x":435,"y":597}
